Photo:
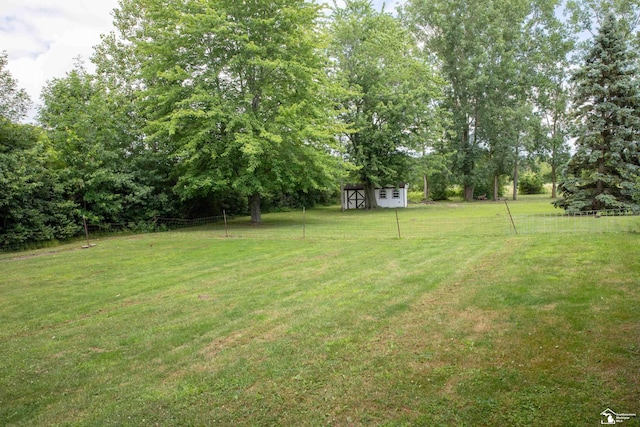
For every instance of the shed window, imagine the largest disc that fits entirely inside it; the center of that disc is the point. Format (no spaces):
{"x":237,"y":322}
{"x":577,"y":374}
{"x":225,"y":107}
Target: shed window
{"x":396,"y":194}
{"x":383,"y":193}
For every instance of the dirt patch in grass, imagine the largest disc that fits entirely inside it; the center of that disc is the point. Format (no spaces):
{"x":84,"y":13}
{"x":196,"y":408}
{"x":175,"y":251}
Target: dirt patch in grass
{"x":235,"y":339}
{"x":252,"y":336}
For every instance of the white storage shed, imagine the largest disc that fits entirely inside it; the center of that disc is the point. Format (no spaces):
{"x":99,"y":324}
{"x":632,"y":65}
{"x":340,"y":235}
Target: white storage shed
{"x":353,"y":196}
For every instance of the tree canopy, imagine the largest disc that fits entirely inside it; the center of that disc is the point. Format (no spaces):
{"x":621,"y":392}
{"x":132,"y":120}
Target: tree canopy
{"x":14,"y":101}
{"x":388,"y":94}
{"x":237,"y":91}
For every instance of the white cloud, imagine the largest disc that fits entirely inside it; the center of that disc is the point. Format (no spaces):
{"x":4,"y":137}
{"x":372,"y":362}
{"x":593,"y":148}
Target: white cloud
{"x":43,"y":37}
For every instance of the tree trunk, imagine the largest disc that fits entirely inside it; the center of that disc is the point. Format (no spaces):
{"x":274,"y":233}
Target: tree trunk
{"x":468,"y":193}
{"x":496,"y":182}
{"x":554,"y":177}
{"x":468,"y":164}
{"x":601,"y":171}
{"x":370,"y":201}
{"x":426,"y":187}
{"x":515,"y":177}
{"x":596,"y":204}
{"x":254,"y":206}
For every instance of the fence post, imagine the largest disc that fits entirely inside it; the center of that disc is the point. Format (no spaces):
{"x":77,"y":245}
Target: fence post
{"x":398,"y":224}
{"x":512,"y":223}
{"x":226,"y":227}
{"x":86,"y":229}
{"x":86,"y":233}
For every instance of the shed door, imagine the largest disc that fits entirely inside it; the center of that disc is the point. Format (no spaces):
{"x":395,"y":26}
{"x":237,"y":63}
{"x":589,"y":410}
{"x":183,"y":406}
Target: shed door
{"x":355,"y":199}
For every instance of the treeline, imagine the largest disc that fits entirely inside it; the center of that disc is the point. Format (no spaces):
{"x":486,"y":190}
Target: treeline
{"x":196,"y":107}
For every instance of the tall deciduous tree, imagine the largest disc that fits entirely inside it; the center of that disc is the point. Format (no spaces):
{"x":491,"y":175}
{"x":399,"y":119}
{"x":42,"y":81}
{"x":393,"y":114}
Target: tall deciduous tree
{"x":554,"y":147}
{"x":14,"y":101}
{"x":589,"y":15}
{"x":153,"y":159}
{"x":93,"y":149}
{"x":236,"y":90}
{"x":541,"y":45}
{"x":604,"y":171}
{"x":487,"y":52}
{"x":32,"y":205}
{"x":452,"y":30}
{"x":550,"y":63}
{"x":434,"y":157}
{"x":552,"y":101}
{"x":389,"y":89}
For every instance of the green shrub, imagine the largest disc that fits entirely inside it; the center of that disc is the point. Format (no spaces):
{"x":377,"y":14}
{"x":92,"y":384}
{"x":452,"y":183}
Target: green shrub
{"x":440,"y":186}
{"x":441,"y":192}
{"x":415,"y":196}
{"x":530,"y":183}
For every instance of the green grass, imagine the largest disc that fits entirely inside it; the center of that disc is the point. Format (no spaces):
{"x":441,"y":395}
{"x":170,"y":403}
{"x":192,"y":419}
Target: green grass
{"x":188,"y":328}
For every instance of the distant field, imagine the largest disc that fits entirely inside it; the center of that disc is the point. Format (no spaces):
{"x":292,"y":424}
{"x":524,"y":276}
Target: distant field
{"x":191,"y":328}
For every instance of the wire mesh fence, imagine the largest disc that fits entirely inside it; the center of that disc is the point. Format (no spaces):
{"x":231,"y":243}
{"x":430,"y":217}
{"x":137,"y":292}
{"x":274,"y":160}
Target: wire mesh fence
{"x":410,"y":224}
{"x":374,"y":225}
{"x":406,"y":225}
{"x":365,"y":226}
{"x":154,"y":225}
{"x":606,"y":221}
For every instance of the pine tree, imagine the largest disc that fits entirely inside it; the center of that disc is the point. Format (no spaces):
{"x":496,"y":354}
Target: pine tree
{"x":604,"y":171}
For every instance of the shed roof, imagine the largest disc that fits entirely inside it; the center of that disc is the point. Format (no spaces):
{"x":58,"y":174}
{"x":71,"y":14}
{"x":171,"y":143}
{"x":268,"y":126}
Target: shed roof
{"x":361,"y":186}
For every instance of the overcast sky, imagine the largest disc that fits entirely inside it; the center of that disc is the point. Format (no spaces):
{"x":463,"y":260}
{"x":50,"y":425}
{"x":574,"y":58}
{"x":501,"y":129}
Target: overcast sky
{"x":43,"y":37}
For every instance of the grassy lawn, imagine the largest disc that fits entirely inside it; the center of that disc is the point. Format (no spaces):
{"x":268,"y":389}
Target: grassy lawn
{"x":189,"y":328}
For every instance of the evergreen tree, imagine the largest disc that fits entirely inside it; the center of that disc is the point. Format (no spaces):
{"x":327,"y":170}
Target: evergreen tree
{"x":603,"y":172}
